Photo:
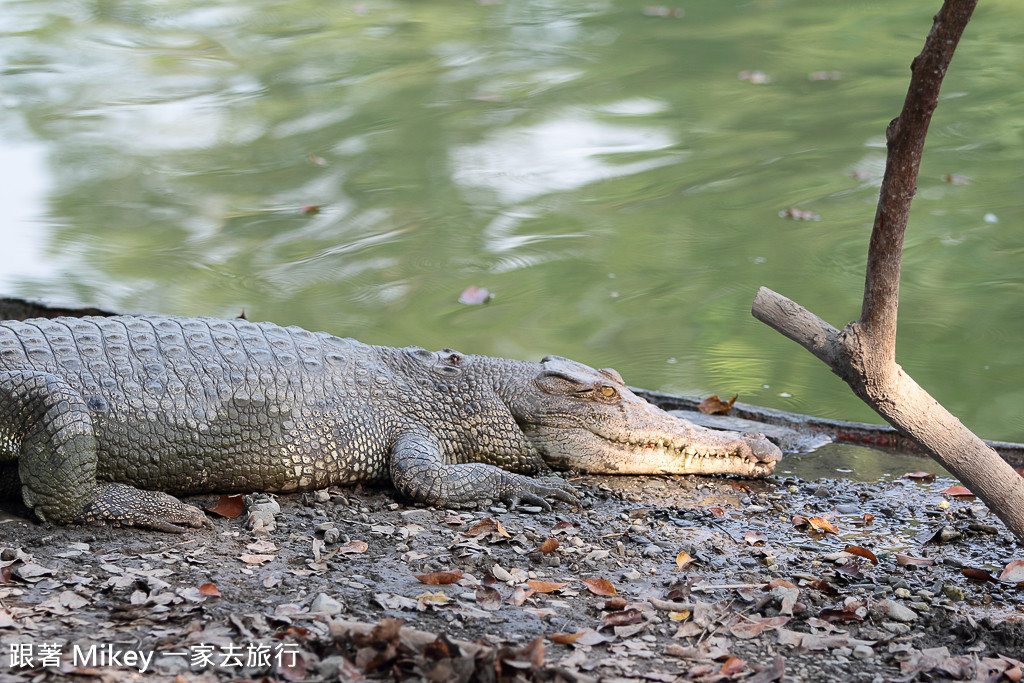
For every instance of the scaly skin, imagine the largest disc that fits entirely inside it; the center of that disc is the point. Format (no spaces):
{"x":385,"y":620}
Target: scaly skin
{"x":102,"y":418}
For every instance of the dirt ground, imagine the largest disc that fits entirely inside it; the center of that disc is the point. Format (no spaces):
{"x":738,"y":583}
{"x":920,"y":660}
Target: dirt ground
{"x":654,"y":579}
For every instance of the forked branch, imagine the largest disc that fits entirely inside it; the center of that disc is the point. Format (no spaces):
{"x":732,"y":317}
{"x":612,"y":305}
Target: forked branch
{"x":864,"y":353}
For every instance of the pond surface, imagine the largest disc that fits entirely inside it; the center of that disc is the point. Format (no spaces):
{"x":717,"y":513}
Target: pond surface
{"x":613,"y":172}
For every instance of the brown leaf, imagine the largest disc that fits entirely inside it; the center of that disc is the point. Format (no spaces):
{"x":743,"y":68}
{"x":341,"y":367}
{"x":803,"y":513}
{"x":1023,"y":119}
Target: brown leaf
{"x":752,"y":627}
{"x":209,"y":590}
{"x":717,"y":512}
{"x":311,"y":209}
{"x":824,"y":586}
{"x":851,"y":570}
{"x":678,"y":591}
{"x":440,"y":578}
{"x":601,"y":587}
{"x":904,"y":560}
{"x":487,"y":525}
{"x":474,"y":296}
{"x":615,"y":604}
{"x":565,"y":638}
{"x":854,"y":611}
{"x":861,"y":552}
{"x":682,"y":560}
{"x":977,"y":574}
{"x":822,"y":524}
{"x":866,"y":520}
{"x":799,"y":521}
{"x":353,"y":548}
{"x":732,"y":666}
{"x":623,"y":618}
{"x":550,"y":545}
{"x":1013,"y":572}
{"x":228,"y":506}
{"x":771,"y":673}
{"x":713,"y":405}
{"x":775,"y":583}
{"x":255,"y":558}
{"x":546,"y":586}
{"x":488,"y":598}
{"x":958,"y":492}
{"x":755,"y":538}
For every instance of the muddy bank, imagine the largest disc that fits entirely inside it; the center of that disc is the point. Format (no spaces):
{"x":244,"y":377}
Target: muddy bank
{"x":656,"y":579}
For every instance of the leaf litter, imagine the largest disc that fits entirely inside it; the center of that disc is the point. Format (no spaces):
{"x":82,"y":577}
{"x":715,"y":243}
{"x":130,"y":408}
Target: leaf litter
{"x":655,"y":579}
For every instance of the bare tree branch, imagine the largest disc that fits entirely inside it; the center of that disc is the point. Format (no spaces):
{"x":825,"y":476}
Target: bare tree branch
{"x":864,"y":352}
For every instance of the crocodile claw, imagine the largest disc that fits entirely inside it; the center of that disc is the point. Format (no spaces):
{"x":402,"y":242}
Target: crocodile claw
{"x":537,"y":492}
{"x":123,"y":505}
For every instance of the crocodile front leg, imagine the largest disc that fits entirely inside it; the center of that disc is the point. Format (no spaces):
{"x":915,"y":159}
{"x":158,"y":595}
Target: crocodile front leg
{"x":418,"y":471}
{"x":46,"y":425}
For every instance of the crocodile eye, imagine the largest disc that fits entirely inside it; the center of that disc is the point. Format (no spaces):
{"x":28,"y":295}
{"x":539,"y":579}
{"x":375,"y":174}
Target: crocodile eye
{"x":607,"y":391}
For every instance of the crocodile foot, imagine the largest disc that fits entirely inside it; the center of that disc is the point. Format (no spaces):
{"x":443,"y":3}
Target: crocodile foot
{"x":523,"y":489}
{"x":123,"y":505}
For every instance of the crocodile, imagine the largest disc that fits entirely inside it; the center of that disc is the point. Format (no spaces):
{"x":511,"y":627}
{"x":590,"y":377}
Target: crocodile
{"x":105,"y":420}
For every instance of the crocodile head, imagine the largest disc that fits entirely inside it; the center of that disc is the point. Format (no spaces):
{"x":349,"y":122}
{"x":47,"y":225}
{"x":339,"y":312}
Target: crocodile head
{"x":586,"y":419}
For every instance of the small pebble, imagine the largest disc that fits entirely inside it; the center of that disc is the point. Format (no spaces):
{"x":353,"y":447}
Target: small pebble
{"x":863,"y":652}
{"x":898,"y":611}
{"x":953,"y":592}
{"x":325,"y":604}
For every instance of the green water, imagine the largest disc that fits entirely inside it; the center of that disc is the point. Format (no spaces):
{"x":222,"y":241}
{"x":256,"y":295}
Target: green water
{"x":599,"y":166}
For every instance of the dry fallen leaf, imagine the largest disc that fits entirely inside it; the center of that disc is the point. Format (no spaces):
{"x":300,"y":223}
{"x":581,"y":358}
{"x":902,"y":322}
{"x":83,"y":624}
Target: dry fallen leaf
{"x":822,"y":524}
{"x":824,"y":586}
{"x":751,"y":627}
{"x":601,"y":587}
{"x":255,"y":559}
{"x":488,"y":598}
{"x":732,"y":666}
{"x":866,"y":520}
{"x":228,"y":506}
{"x":546,"y":586}
{"x":209,"y":590}
{"x":440,"y":578}
{"x":958,"y":491}
{"x":623,"y":618}
{"x":352,"y":548}
{"x":682,"y":560}
{"x":565,"y":638}
{"x":904,"y":560}
{"x":862,"y":552}
{"x":755,"y":538}
{"x":713,"y":405}
{"x":548,"y":546}
{"x":977,"y":574}
{"x":487,"y":525}
{"x":1013,"y":572}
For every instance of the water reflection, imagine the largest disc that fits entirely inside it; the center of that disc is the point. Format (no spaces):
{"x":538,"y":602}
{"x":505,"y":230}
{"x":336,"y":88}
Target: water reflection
{"x":559,"y":155}
{"x":603,"y":171}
